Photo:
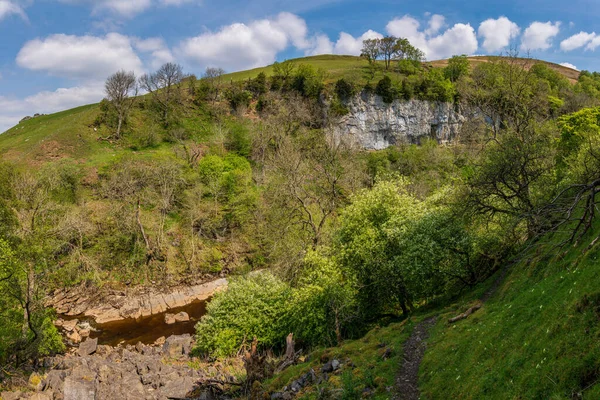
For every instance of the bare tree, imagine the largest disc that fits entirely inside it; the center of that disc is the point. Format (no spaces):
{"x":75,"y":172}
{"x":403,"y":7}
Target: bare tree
{"x":214,"y":78}
{"x":121,"y":88}
{"x":165,"y":87}
{"x":388,"y":46}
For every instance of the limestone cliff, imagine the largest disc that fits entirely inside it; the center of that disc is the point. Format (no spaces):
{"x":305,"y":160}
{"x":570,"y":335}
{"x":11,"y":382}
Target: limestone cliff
{"x":374,"y":125}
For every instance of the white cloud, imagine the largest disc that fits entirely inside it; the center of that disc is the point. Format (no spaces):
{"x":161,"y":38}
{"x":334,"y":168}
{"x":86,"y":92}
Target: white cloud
{"x":577,"y":41}
{"x":497,"y":33}
{"x":459,"y":39}
{"x":539,"y":35}
{"x":80,"y":56}
{"x":240,"y":46}
{"x":13,"y":110}
{"x":569,"y":65}
{"x":158,"y":50}
{"x":320,"y":45}
{"x":595,"y":42}
{"x":126,"y":8}
{"x":8,"y":8}
{"x":436,"y":22}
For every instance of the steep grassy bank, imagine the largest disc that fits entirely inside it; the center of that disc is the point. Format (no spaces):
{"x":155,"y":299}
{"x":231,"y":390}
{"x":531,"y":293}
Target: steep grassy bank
{"x":538,"y":338}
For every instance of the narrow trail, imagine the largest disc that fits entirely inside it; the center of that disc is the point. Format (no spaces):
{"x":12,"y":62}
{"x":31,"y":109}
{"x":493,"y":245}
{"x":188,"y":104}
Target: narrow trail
{"x":407,"y":380}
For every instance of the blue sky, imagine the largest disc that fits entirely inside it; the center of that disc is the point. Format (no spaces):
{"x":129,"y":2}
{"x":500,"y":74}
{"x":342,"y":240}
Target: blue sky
{"x":55,"y":54}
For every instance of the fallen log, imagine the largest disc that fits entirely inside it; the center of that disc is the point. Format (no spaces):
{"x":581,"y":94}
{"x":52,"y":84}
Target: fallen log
{"x":465,"y":314}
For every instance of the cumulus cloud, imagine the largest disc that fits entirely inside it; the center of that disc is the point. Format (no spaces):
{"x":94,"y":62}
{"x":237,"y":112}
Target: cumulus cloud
{"x":158,"y":50}
{"x":497,"y":33}
{"x":80,"y":56}
{"x":569,"y":65}
{"x":8,"y":8}
{"x":539,"y":35}
{"x":458,"y":39}
{"x":345,"y":45}
{"x":240,"y":46}
{"x":595,"y":42}
{"x":577,"y":41}
{"x":12,"y":110}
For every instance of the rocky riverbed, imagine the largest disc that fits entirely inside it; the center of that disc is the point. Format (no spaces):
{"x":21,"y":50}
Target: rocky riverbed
{"x":98,"y":372}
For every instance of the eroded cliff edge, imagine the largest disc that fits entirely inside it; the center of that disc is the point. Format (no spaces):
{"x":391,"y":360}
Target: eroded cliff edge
{"x":373,"y":124}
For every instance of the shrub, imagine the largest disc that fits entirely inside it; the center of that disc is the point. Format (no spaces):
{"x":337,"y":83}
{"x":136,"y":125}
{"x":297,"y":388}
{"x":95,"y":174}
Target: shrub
{"x":385,"y":89}
{"x":343,"y":89}
{"x":254,"y":306}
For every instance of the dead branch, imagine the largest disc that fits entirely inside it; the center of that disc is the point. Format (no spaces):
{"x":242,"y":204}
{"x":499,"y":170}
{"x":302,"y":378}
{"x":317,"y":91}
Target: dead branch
{"x":465,"y":314}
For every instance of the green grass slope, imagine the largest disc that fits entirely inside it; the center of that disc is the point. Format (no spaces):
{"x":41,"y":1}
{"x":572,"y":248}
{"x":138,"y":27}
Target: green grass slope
{"x":537,"y":338}
{"x":70,"y":133}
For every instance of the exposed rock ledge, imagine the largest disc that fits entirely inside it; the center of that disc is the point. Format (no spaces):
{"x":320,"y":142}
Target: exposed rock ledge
{"x":375,"y":125}
{"x":117,"y":305}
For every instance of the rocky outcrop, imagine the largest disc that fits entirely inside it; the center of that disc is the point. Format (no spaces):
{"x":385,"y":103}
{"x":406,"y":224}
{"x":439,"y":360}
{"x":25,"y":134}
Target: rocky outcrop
{"x":117,"y":305}
{"x":134,"y":372}
{"x":373,"y":124}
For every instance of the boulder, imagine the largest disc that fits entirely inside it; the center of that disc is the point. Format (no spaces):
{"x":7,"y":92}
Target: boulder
{"x":79,"y":389}
{"x":74,"y":337}
{"x":177,"y":346}
{"x":182,"y":317}
{"x":88,"y":347}
{"x":10,"y":395}
{"x":169,"y":319}
{"x":36,"y":382}
{"x":42,"y":396}
{"x":178,"y":388}
{"x":69,"y":326}
{"x":55,"y":380}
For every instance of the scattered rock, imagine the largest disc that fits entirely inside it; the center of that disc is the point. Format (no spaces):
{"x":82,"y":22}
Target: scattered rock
{"x":88,"y":347}
{"x":74,"y":337}
{"x":170,"y":319}
{"x":80,"y":385}
{"x":182,"y":317}
{"x":335,"y":364}
{"x":55,"y":380}
{"x":36,"y":382}
{"x":69,"y":326}
{"x":42,"y":396}
{"x":177,"y":346}
{"x":10,"y":395}
{"x":160,"y":341}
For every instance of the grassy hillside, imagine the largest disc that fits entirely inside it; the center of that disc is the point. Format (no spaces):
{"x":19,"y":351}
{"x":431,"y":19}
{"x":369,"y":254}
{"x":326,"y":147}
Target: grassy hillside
{"x":71,"y":134}
{"x":536,"y":338}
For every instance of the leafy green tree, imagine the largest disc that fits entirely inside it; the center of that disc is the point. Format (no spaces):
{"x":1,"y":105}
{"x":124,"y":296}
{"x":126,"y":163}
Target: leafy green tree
{"x":371,"y":50}
{"x":368,"y":230}
{"x":458,"y":66}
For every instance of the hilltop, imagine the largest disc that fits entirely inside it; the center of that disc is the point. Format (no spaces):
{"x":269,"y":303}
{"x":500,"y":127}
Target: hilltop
{"x":72,"y":133}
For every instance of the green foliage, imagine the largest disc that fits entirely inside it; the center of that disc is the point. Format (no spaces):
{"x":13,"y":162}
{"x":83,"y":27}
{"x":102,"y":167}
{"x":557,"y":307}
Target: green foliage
{"x":256,"y":306}
{"x":385,"y":90}
{"x":457,"y":67}
{"x":238,"y":98}
{"x":555,"y":80}
{"x":239,"y":140}
{"x":258,"y":86}
{"x":308,"y":81}
{"x":344,"y":89}
{"x":51,"y":342}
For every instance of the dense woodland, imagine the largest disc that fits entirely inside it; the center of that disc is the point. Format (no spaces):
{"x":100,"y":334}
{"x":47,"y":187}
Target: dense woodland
{"x":243,"y":176}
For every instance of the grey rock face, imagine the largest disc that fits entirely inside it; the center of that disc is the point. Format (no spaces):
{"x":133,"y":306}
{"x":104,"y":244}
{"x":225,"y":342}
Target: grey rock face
{"x":374,"y":125}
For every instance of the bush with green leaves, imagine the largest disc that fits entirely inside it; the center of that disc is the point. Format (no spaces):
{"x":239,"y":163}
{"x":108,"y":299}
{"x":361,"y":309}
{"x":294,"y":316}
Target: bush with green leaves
{"x":252,"y":306}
